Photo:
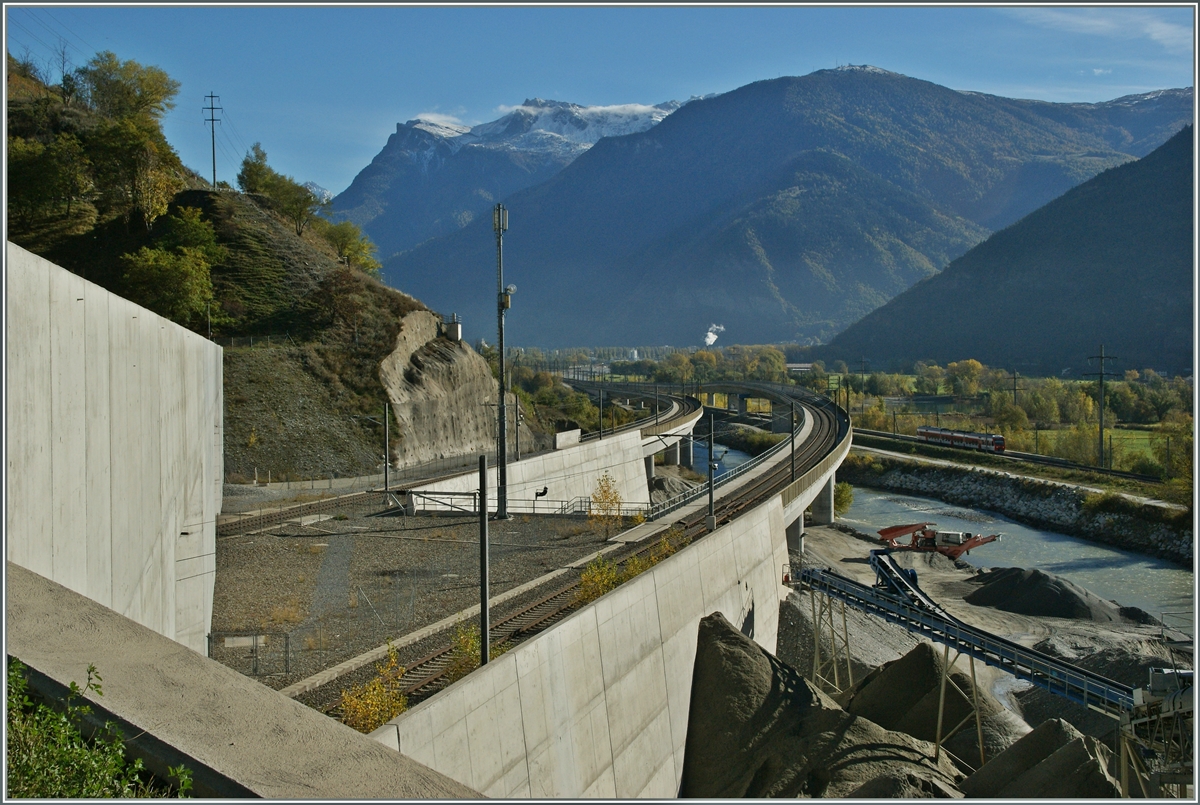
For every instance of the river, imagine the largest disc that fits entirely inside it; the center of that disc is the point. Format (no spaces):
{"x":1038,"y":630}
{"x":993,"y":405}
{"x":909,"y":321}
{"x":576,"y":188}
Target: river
{"x":1129,"y":578}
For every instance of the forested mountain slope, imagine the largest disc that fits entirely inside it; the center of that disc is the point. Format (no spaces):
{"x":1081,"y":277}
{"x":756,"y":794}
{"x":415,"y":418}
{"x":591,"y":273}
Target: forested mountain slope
{"x":1110,"y":262}
{"x":783,"y":210}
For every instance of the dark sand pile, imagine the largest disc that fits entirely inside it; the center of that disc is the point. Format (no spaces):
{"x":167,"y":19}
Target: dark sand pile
{"x":1034,"y":592}
{"x":903,"y":695}
{"x":1055,"y":761}
{"x":757,"y":728}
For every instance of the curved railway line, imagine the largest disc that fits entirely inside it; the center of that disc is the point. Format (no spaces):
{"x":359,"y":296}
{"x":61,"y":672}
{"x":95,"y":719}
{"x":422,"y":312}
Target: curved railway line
{"x":429,"y":674}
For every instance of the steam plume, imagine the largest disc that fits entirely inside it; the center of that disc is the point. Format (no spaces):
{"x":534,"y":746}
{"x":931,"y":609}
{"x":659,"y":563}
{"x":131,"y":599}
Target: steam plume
{"x":711,"y":336}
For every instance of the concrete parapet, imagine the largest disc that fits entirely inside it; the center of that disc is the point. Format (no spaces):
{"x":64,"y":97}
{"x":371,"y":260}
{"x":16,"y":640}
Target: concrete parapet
{"x":114,"y":424}
{"x":597,"y":706}
{"x":239,"y":737}
{"x":566,"y":474}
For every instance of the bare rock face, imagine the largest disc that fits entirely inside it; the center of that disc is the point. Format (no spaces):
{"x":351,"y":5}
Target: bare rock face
{"x":439,"y":391}
{"x":757,"y":728}
{"x":1054,"y":761}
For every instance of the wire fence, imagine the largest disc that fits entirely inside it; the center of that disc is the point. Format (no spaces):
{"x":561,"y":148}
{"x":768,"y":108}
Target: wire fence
{"x":266,"y":341}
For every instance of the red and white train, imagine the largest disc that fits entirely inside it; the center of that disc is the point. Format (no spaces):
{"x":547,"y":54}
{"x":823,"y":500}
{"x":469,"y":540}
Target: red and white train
{"x":988,"y":442}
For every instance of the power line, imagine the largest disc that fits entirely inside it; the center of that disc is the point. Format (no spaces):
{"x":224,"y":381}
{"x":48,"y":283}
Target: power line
{"x":52,"y":31}
{"x":1102,"y":358}
{"x":242,"y":147}
{"x":68,"y":30}
{"x":31,"y":33}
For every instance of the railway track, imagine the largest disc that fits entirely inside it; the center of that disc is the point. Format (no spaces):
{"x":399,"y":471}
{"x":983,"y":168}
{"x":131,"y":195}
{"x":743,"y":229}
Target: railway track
{"x":431,"y":673}
{"x":1028,"y":458}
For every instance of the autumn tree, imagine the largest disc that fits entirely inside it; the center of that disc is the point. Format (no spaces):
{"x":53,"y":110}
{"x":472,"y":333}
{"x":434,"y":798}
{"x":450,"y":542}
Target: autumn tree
{"x":964,"y":376}
{"x":121,"y":90}
{"x":352,"y":246}
{"x":606,"y":504}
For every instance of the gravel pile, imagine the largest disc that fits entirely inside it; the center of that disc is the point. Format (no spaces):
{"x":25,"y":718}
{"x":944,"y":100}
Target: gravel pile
{"x":904,"y":695}
{"x":757,"y":728}
{"x":1035,"y":592}
{"x":1053,"y":762}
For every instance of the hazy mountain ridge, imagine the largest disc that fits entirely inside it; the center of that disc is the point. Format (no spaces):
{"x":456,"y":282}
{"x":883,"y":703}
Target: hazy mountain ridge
{"x":631,"y":225}
{"x":1110,"y":262}
{"x":434,"y":177}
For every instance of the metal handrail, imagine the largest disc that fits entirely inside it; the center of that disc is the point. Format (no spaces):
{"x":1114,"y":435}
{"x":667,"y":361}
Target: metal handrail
{"x":1056,"y":676}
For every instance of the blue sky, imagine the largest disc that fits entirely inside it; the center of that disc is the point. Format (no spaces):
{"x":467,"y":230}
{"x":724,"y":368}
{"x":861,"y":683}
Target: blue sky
{"x":322,"y":87}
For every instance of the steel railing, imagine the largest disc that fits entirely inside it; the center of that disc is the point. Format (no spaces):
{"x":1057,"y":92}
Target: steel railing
{"x":918,"y":614}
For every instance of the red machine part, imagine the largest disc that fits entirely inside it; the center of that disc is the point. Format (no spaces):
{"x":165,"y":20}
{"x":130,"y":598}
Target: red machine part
{"x":925,"y":538}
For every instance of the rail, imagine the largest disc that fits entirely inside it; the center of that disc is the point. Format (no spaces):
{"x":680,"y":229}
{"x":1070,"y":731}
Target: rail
{"x":1029,"y":458}
{"x":913,"y":612}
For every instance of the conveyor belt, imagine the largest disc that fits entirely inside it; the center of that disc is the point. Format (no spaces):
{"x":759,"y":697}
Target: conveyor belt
{"x":899,"y":600}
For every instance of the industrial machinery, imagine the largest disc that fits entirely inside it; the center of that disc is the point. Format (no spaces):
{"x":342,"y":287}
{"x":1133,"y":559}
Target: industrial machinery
{"x":923,"y":537}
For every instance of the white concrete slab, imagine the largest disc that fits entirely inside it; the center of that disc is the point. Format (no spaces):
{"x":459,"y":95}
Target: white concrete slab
{"x":113,"y":419}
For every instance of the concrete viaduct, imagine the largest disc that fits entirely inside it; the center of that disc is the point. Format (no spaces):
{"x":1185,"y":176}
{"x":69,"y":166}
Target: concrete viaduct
{"x":113,"y":444}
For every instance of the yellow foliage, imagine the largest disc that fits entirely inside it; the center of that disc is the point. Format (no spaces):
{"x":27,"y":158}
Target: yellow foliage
{"x":464,"y":657}
{"x":598,"y":577}
{"x":606,"y":504}
{"x":369,"y":706}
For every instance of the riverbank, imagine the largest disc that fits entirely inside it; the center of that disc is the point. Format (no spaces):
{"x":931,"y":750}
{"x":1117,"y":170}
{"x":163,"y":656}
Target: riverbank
{"x":1108,"y":519}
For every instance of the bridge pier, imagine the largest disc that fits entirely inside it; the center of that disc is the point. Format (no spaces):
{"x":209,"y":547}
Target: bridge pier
{"x":649,"y":467}
{"x":822,"y":505}
{"x":687,"y":455}
{"x":743,"y":404}
{"x":795,"y":535}
{"x":671,"y":455}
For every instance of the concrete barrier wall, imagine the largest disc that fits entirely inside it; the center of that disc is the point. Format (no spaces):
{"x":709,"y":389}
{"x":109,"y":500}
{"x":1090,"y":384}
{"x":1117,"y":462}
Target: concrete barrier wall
{"x":566,"y":474}
{"x":597,"y":706}
{"x":114,"y":440}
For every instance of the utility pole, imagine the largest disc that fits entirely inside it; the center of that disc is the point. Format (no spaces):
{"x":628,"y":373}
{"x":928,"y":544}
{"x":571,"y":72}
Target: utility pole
{"x":387,"y":452}
{"x":1015,"y":388}
{"x":1102,"y":358}
{"x":711,"y":520}
{"x":483,"y":563}
{"x":212,"y":121}
{"x":862,"y":368}
{"x":793,"y":441}
{"x":503,"y":302}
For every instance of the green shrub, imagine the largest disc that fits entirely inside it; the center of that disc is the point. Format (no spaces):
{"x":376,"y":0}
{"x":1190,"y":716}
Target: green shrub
{"x":49,"y":757}
{"x":843,"y":498}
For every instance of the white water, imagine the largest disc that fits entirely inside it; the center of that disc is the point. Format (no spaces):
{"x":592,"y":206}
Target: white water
{"x":1129,"y":578}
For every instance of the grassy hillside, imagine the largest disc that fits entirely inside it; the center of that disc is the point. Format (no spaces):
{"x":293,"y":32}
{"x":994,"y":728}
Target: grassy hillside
{"x":294,"y":409}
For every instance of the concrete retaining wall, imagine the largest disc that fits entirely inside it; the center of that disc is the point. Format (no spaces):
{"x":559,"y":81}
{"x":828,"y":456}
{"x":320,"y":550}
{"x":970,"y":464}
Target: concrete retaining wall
{"x":598,"y":705}
{"x":238,"y":737}
{"x":570,"y":473}
{"x":114,"y":464}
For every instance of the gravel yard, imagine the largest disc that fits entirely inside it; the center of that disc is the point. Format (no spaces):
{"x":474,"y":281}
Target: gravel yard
{"x":319,"y":591}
